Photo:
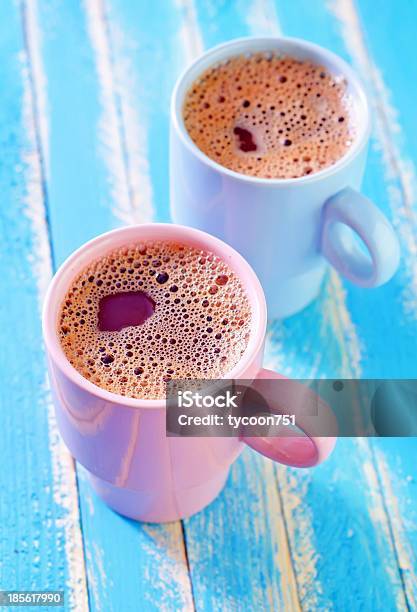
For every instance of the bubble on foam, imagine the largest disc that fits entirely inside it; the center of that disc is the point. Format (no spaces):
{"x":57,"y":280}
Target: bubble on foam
{"x":200,"y":327}
{"x":270,"y":116}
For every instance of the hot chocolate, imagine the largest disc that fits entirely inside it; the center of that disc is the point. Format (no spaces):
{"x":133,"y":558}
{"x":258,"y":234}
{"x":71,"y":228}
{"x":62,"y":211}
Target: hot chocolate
{"x":149,"y":312}
{"x":270,"y":116}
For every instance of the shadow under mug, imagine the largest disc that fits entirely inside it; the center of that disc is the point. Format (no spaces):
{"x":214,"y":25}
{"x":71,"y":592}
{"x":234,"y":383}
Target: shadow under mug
{"x":287,"y":229}
{"x":133,"y":465}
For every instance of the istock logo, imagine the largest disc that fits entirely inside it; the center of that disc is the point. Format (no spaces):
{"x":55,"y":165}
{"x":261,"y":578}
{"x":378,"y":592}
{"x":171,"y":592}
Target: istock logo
{"x":189,"y":399}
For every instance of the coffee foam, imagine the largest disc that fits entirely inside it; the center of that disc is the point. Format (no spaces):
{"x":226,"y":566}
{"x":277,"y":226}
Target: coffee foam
{"x":270,"y":116}
{"x":200,"y":327}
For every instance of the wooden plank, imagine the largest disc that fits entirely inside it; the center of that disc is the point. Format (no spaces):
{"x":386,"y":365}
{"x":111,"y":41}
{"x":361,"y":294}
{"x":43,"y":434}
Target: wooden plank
{"x":97,"y":178}
{"x":40,"y":536}
{"x":384,"y":343}
{"x":238,"y":547}
{"x":395,"y":124}
{"x":145,"y":71}
{"x":324,"y":518}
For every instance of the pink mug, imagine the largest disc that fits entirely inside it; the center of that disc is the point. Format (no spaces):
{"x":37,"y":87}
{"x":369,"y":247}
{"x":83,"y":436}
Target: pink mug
{"x":122,"y":442}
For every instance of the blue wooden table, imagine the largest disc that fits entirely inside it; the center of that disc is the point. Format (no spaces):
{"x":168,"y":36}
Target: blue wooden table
{"x":84,"y":98}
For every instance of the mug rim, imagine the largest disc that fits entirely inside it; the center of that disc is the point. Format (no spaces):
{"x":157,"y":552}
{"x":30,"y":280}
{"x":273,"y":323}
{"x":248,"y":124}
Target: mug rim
{"x":247,"y":44}
{"x":69,"y":269}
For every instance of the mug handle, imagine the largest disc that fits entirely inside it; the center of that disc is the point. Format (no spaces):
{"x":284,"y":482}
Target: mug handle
{"x":350,"y":208}
{"x":307,"y":450}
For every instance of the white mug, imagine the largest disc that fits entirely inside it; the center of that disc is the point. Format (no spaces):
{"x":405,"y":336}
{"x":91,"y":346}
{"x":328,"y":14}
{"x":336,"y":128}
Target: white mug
{"x":288,"y":229}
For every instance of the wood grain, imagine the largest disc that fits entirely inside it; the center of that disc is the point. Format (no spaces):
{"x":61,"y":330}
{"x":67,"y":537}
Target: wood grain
{"x":40,"y":535}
